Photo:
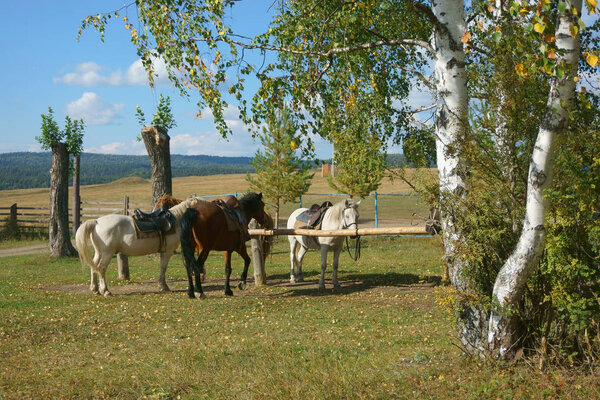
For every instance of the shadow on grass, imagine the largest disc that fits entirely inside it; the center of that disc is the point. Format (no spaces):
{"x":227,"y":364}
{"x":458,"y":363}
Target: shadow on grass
{"x":351,"y":283}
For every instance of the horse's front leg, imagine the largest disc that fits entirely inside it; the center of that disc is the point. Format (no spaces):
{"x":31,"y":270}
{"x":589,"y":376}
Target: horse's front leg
{"x":244,"y":254}
{"x":323,"y":266}
{"x":162,"y":280}
{"x":228,"y":291}
{"x":336,"y":258}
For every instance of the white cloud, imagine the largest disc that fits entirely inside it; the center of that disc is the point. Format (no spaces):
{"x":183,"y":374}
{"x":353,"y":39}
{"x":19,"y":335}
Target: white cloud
{"x":91,"y":74}
{"x":132,"y":147}
{"x":212,"y":143}
{"x":93,"y":109}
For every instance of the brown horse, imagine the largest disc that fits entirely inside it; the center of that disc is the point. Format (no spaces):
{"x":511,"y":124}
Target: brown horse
{"x":204,"y":228}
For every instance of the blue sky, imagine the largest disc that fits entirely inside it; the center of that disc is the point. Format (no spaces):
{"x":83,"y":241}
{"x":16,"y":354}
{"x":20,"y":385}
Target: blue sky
{"x":44,"y":65}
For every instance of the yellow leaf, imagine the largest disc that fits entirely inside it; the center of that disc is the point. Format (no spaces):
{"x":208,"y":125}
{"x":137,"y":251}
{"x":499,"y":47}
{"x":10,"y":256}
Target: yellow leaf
{"x":592,"y":60}
{"x":574,"y":30}
{"x":551,"y":54}
{"x":575,"y":79}
{"x":519,"y":68}
{"x":539,"y":28}
{"x":466,"y":37}
{"x":480,"y":25}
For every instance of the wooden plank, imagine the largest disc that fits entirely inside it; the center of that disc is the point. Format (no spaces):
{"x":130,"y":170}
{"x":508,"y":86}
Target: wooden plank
{"x":404,"y":230}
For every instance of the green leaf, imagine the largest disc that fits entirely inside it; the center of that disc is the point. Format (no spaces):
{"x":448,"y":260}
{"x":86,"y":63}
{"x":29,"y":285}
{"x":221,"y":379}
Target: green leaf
{"x":562,"y":6}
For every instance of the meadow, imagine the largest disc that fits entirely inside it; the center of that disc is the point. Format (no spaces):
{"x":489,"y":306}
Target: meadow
{"x":384,"y":335}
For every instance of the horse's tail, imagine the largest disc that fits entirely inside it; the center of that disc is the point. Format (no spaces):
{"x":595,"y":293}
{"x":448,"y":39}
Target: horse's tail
{"x":82,"y":242}
{"x":185,"y":234}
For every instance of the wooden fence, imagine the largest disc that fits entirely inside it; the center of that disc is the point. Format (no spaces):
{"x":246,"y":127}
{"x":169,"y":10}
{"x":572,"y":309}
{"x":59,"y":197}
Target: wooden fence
{"x":36,"y":219}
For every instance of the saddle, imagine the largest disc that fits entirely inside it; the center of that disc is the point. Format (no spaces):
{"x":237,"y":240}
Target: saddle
{"x":157,"y":223}
{"x":313,"y":217}
{"x":158,"y":220}
{"x":234,"y":216}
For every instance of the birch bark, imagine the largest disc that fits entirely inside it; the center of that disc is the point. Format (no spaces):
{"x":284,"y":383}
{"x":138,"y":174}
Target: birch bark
{"x":510,"y":282}
{"x":451,"y":127}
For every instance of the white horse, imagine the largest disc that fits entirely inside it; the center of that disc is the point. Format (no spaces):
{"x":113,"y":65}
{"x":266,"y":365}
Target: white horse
{"x":115,"y":233}
{"x":343,"y":215}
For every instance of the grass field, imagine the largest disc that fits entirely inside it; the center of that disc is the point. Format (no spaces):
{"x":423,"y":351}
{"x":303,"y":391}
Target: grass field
{"x":382,"y":336}
{"x":392,"y":211}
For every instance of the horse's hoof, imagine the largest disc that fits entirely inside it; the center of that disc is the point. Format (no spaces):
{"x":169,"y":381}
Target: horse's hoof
{"x":337,"y":287}
{"x":300,"y":279}
{"x":95,"y":290}
{"x":164,"y":288}
{"x":242,"y":285}
{"x":321,"y":287}
{"x":228,"y":292}
{"x":292,"y":280}
{"x":107,"y":293}
{"x":199,"y":295}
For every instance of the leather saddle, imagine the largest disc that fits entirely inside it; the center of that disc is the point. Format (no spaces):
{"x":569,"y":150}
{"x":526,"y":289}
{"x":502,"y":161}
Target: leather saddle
{"x":234,"y":216}
{"x":314,"y":215}
{"x":159,"y":220}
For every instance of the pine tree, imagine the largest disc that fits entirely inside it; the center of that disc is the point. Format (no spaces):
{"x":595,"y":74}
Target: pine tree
{"x":280,"y":174}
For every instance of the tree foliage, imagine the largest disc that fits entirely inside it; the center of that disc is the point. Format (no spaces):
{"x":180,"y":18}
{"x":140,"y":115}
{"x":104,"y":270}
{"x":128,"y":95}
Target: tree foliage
{"x":71,"y":135}
{"x":163,"y":117}
{"x":280,"y":174}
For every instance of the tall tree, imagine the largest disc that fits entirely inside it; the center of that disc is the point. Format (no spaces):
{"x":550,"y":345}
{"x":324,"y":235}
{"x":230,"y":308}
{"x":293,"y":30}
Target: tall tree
{"x":63,"y":143}
{"x":157,"y":142}
{"x":281,"y":175}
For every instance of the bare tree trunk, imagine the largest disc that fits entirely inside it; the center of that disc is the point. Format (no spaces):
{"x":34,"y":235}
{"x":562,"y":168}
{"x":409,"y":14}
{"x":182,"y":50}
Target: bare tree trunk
{"x":157,"y":140}
{"x":60,"y":239}
{"x":510,"y":282}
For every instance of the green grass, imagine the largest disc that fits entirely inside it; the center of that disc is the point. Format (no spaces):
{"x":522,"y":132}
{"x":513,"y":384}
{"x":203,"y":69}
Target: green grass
{"x":382,"y":336}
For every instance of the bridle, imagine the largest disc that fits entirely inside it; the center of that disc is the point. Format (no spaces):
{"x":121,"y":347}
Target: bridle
{"x":356,"y":255}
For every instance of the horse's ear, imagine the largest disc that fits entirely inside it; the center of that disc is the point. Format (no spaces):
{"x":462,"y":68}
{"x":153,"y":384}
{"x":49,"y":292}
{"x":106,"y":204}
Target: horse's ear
{"x":347,"y":203}
{"x":357,"y":203}
{"x":260,"y":196}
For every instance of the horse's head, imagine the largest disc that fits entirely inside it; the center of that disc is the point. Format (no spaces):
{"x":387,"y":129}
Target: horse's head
{"x":166,"y":201}
{"x":254,"y":207}
{"x":350,"y":214}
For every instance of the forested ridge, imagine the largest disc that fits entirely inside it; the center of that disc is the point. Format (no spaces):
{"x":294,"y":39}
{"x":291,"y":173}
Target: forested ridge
{"x":25,"y":170}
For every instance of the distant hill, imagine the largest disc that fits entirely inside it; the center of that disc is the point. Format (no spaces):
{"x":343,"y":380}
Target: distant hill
{"x":32,"y":170}
{"x":26,"y":170}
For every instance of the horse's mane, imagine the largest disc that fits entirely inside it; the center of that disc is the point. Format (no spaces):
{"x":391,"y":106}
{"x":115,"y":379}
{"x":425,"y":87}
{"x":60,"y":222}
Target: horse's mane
{"x":251,"y":201}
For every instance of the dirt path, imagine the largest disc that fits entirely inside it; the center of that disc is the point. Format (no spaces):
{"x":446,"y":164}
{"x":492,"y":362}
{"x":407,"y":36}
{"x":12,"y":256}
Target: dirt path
{"x":20,"y":251}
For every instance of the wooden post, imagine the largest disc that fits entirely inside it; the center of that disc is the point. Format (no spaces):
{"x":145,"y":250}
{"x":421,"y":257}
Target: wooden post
{"x":13,"y":214}
{"x":76,"y":197}
{"x":260,"y":276}
{"x":122,"y":260}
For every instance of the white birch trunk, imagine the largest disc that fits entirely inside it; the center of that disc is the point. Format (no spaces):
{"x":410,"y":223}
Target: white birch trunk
{"x":511,"y":280}
{"x":451,"y":115}
{"x":451,"y":127}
